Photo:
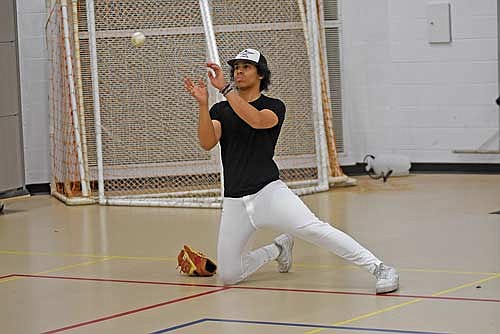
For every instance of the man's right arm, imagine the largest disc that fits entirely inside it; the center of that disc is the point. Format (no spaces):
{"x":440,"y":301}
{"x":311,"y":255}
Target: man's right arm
{"x":209,"y":131}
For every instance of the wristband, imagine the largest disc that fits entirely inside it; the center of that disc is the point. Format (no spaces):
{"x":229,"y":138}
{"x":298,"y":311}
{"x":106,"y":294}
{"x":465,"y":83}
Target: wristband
{"x":230,"y":89}
{"x":224,"y":89}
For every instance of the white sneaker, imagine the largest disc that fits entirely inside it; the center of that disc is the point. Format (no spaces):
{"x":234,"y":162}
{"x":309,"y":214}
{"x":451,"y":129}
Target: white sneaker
{"x":387,"y":279}
{"x":285,"y":244}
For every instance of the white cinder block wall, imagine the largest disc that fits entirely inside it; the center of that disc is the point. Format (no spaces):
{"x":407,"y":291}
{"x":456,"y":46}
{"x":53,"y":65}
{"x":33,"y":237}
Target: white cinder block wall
{"x":31,"y":18}
{"x":401,"y":94}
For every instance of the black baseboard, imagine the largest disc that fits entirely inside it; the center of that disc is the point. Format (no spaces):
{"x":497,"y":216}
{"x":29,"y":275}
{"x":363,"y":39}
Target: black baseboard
{"x":354,"y":170}
{"x":39,"y":188}
{"x":459,"y":168}
{"x":351,"y":170}
{"x":434,"y":168}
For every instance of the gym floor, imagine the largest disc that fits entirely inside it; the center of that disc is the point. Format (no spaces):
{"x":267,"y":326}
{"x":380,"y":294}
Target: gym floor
{"x":95,"y":269}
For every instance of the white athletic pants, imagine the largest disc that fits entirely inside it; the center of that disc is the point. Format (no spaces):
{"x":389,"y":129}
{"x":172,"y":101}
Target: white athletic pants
{"x":276,"y":207}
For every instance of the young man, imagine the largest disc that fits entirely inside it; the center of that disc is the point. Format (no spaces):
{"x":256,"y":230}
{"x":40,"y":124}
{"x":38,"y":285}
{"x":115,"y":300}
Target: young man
{"x":247,"y":126}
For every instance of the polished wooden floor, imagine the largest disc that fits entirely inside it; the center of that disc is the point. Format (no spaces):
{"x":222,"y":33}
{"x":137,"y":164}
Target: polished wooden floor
{"x":93,"y":269}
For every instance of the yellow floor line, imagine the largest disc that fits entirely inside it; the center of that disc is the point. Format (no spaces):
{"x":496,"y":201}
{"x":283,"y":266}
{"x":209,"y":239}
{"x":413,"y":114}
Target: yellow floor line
{"x":50,"y":254}
{"x":423,"y":270}
{"x":71,"y":266}
{"x":144,"y":258}
{"x":413,"y":301}
{"x":413,"y":270}
{"x":297,"y":265}
{"x":466,"y":285}
{"x":368,"y":315}
{"x":87,"y":263}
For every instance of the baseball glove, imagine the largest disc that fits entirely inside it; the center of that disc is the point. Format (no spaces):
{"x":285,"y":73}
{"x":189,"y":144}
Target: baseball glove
{"x":193,"y":263}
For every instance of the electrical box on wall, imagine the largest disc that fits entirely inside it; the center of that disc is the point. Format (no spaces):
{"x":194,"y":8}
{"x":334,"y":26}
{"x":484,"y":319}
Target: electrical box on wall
{"x":439,"y":22}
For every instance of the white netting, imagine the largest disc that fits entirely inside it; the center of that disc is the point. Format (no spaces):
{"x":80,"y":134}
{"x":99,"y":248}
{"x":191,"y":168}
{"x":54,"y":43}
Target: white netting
{"x":276,"y":28}
{"x":150,"y":149}
{"x":148,"y":122}
{"x":68,"y":165}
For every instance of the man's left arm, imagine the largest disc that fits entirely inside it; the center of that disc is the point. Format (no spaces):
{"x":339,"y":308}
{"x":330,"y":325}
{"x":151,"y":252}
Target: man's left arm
{"x":257,"y":119}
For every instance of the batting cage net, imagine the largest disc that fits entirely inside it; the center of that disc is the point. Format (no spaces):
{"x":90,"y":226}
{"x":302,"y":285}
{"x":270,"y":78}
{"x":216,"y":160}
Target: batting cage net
{"x":124,"y":130}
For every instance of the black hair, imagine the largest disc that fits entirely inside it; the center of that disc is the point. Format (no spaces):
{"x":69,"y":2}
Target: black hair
{"x":262,"y":70}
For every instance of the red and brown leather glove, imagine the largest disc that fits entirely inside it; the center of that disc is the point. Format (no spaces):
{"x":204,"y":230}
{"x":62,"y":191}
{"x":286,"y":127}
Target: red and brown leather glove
{"x":193,"y":263}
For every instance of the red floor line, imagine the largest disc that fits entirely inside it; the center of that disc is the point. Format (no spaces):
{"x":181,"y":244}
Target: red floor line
{"x":7,"y":276}
{"x":370,"y":294}
{"x":90,"y":322}
{"x":350,"y":293}
{"x":120,"y":281}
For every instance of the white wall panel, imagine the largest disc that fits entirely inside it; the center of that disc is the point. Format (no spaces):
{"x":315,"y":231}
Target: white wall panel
{"x":31,"y":19}
{"x":395,"y":82}
{"x":405,"y":95}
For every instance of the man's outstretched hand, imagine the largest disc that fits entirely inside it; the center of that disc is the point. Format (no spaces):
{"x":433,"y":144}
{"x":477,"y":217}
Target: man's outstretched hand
{"x":216,"y":76}
{"x":199,"y":92}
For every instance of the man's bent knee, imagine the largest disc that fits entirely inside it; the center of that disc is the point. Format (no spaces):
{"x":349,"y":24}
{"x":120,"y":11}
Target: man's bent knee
{"x":229,"y":277}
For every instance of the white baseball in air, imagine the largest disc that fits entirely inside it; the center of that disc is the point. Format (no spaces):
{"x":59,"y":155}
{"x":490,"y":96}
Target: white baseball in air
{"x":138,"y":39}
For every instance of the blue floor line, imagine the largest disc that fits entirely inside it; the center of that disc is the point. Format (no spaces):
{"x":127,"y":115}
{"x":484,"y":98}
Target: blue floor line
{"x":271,"y":323}
{"x":170,"y":329}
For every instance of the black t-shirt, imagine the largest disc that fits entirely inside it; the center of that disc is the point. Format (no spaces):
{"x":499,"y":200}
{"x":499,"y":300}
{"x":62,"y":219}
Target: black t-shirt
{"x":247,"y":153}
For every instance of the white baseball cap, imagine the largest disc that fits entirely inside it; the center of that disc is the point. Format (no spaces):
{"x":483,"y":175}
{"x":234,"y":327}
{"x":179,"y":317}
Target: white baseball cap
{"x":251,"y":55}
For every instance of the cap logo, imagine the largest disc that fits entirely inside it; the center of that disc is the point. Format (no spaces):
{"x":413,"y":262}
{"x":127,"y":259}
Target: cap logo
{"x":248,"y":54}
